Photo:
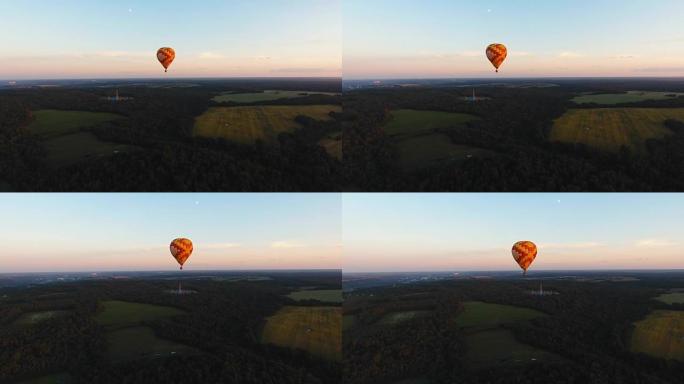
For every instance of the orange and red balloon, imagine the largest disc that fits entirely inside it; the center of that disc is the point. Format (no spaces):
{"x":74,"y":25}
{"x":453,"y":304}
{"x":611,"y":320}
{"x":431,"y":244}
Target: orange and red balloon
{"x":181,"y":249}
{"x":166,"y":56}
{"x":524,"y":253}
{"x":497,"y":53}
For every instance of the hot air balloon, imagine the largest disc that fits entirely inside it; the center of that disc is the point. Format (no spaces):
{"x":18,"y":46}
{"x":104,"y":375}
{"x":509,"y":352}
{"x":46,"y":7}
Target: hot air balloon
{"x":524,"y":253}
{"x":181,"y":249}
{"x":166,"y":56}
{"x":497,"y":53}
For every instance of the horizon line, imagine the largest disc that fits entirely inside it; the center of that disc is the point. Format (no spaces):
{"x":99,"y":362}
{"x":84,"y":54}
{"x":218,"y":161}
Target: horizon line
{"x":679,"y":77}
{"x":517,"y":271}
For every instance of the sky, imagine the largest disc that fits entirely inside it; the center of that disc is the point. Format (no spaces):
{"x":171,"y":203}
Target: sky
{"x":560,"y":38}
{"x":475,"y":232}
{"x":66,"y":39}
{"x":132,"y":232}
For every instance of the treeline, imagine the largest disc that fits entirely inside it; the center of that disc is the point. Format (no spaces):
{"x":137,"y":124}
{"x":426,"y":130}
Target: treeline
{"x":164,"y":156}
{"x":588,"y":325}
{"x":514,"y":127}
{"x":222,"y":320}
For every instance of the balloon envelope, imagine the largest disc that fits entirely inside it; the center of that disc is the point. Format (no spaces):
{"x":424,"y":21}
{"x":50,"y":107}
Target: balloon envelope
{"x":497,"y":53}
{"x":166,"y":56}
{"x":524,"y":253}
{"x":181,"y":249}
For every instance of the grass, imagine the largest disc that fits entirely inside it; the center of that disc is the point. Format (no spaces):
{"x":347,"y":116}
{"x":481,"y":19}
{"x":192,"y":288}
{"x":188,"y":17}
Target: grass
{"x":610,"y":128}
{"x":123,"y":313}
{"x":57,"y":378}
{"x":498,"y":347}
{"x":348,"y":322}
{"x":410,"y":122}
{"x":326,"y":296}
{"x":479,"y":314}
{"x":672,"y":298}
{"x":661,"y":334}
{"x":333,"y":145}
{"x":73,"y":148}
{"x":51,"y":123}
{"x":316,"y":330}
{"x":32,"y":318}
{"x":249,"y":124}
{"x":399,"y":317}
{"x":140,"y":342}
{"x":265,"y":96}
{"x":629,"y":97}
{"x":429,"y":150}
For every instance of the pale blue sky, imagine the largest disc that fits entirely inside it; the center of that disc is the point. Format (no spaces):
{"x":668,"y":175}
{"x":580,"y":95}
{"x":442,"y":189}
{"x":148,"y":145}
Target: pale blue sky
{"x":68,"y":38}
{"x":411,"y":232}
{"x":65,"y":232}
{"x":437,"y":38}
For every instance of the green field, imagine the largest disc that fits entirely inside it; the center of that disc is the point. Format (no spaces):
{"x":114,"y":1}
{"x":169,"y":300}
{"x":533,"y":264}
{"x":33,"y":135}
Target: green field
{"x":123,"y":313}
{"x":610,"y":128}
{"x":399,"y":317}
{"x":479,"y":314}
{"x":661,"y":334}
{"x":419,"y":142}
{"x":317,"y":330}
{"x":37,"y":317}
{"x":51,"y":123}
{"x":348,"y":322}
{"x":249,"y":124}
{"x":408,"y":122}
{"x":140,"y":342}
{"x":71,"y":149}
{"x":431,"y":150}
{"x":265,"y":96}
{"x":57,"y":378}
{"x":326,"y":296}
{"x":498,"y":347}
{"x":672,"y":298}
{"x":629,"y":97}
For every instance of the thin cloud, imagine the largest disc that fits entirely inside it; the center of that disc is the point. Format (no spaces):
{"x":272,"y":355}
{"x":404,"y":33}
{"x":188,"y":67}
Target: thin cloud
{"x":211,"y":55}
{"x":286,"y":245}
{"x":221,"y":246}
{"x":570,"y":55}
{"x":655,"y":243}
{"x":580,"y":245}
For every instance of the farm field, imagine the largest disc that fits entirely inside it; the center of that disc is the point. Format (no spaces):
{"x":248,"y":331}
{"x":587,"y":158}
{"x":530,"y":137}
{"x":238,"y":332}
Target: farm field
{"x":333,"y":145}
{"x":50,"y":123}
{"x":317,"y":330}
{"x":407,"y":122}
{"x":348,"y":322}
{"x":671,"y":298}
{"x":269,"y":95}
{"x":430,"y":150}
{"x":498,"y":347}
{"x":70,"y":149}
{"x":479,"y":314}
{"x":140,"y":342}
{"x":611,"y":128}
{"x":328,"y":295}
{"x":38,"y":317}
{"x":248,"y":124}
{"x":661,"y":334}
{"x":399,"y":317}
{"x":629,"y":97}
{"x":123,"y":313}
